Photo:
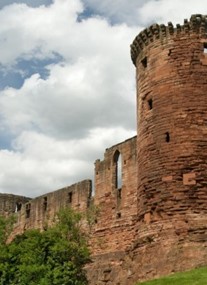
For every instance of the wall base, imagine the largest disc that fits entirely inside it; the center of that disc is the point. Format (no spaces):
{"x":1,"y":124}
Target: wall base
{"x":162,"y":248}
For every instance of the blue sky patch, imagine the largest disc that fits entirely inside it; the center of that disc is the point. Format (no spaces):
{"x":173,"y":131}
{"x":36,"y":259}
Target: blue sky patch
{"x":87,"y":13}
{"x":32,"y":3}
{"x":6,"y":140}
{"x":25,"y":68}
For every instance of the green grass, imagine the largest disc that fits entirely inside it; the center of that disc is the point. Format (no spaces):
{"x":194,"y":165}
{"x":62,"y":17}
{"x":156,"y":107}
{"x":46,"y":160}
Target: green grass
{"x":194,"y":277}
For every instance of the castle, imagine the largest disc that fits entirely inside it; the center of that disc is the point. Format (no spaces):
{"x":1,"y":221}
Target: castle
{"x":151,"y":190}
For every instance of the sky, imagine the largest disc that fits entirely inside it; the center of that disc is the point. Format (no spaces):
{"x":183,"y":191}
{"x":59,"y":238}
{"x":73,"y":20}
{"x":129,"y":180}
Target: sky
{"x":67,"y":84}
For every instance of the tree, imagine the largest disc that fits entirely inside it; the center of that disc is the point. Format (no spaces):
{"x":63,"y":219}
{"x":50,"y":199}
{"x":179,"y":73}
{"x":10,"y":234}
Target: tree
{"x":55,"y":256}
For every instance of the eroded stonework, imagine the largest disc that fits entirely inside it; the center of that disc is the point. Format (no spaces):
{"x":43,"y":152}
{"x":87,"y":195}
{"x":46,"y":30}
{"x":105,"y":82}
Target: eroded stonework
{"x":10,"y":203}
{"x":151,"y":190}
{"x":40,"y":212}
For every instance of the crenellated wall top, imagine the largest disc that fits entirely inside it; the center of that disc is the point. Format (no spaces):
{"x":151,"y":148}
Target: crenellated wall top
{"x":197,"y":24}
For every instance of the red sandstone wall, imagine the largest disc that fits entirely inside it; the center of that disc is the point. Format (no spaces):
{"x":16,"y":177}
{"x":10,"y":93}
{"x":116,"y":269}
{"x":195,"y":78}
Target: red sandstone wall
{"x":40,"y":212}
{"x":172,"y":116}
{"x":171,"y":228}
{"x":161,"y":248}
{"x":117,"y":206}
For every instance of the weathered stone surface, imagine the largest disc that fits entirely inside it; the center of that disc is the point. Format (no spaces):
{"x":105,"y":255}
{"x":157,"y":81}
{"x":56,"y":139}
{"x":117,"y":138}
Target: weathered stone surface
{"x":40,"y":212}
{"x":172,"y":116}
{"x":117,"y":206}
{"x":10,"y":203}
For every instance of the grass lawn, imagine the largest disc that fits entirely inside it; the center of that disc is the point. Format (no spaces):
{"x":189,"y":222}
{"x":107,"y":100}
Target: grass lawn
{"x":194,"y":277}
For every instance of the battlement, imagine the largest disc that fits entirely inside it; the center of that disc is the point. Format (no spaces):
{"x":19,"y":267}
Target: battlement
{"x":196,"y":25}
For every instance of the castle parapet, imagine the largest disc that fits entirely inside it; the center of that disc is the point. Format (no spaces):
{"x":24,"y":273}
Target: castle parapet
{"x":40,"y":211}
{"x":197,"y":24}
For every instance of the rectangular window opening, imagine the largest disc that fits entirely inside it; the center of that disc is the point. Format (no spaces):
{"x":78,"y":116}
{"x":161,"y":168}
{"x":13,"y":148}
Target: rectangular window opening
{"x":45,"y":204}
{"x":18,"y":207}
{"x":28,"y":210}
{"x":118,"y":215}
{"x":119,"y":193}
{"x":70,"y":197}
{"x":167,"y":137}
{"x":144,"y":62}
{"x":150,"y":104}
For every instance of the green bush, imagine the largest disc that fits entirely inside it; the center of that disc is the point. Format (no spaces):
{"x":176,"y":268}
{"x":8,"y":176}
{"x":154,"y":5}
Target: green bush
{"x":55,"y":256}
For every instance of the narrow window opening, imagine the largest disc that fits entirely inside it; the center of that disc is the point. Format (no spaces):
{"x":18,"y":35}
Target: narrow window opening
{"x":119,"y":193}
{"x":18,"y":207}
{"x":118,"y":169}
{"x":45,"y":204}
{"x":70,"y":197}
{"x":118,"y":215}
{"x":169,"y":53}
{"x":167,"y":137}
{"x":205,"y":48}
{"x":144,"y":62}
{"x":28,"y":210}
{"x":150,"y":104}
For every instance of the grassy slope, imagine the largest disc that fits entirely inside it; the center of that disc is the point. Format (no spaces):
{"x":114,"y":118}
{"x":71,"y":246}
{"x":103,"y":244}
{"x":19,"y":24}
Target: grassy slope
{"x":194,"y":277}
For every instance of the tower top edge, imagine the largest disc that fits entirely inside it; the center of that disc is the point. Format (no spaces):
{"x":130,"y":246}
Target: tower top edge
{"x":197,"y":24}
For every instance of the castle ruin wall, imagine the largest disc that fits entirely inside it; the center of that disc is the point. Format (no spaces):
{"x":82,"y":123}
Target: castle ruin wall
{"x":117,"y":204}
{"x":10,"y":203}
{"x":171,"y":228}
{"x":40,"y":212}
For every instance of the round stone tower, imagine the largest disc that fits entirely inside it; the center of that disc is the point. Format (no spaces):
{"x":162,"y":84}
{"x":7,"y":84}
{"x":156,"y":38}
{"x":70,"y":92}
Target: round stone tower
{"x":171,"y":64}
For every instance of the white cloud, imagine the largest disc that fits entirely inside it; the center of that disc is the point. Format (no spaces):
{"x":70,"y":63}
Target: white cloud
{"x":81,"y":93}
{"x":36,"y":32}
{"x":39,"y":32}
{"x":63,"y":123}
{"x":118,"y":11}
{"x":40,"y":163}
{"x":74,"y":99}
{"x":164,"y":11}
{"x":146,"y":12}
